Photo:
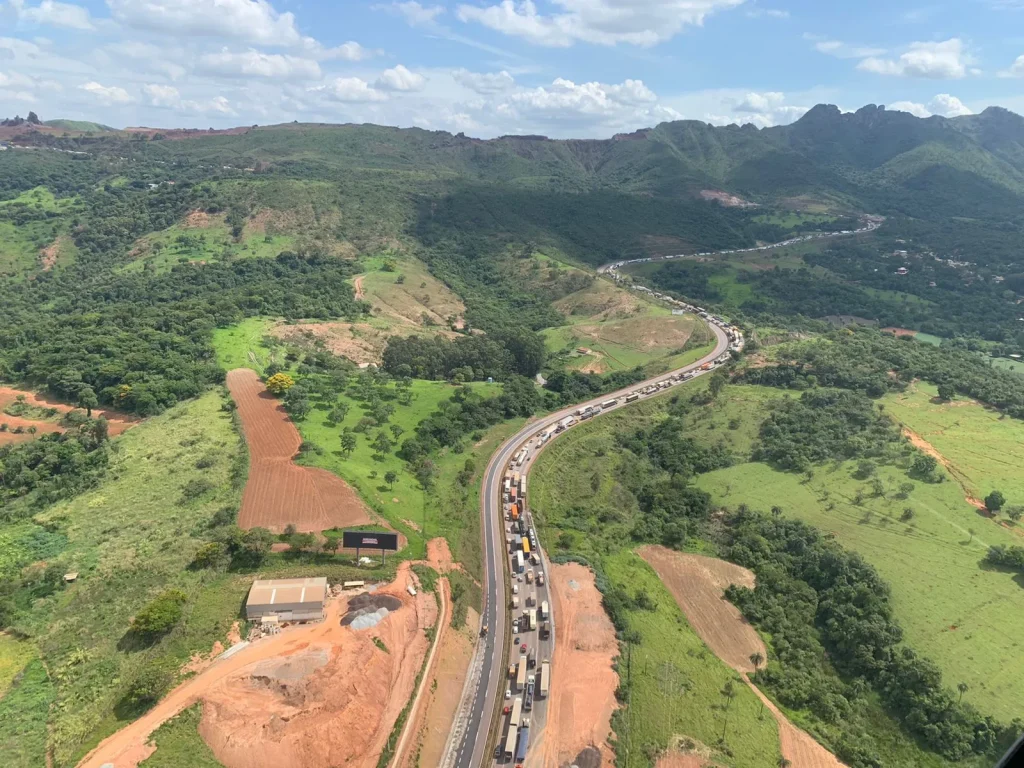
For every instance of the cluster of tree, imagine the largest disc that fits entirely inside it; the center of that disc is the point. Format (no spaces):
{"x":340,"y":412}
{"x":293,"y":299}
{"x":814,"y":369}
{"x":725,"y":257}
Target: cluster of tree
{"x":1003,"y":556}
{"x":862,"y":360}
{"x":575,"y":387}
{"x":821,"y":425}
{"x":510,"y":351}
{"x":668,"y":447}
{"x":466,"y":412}
{"x":18,"y":120}
{"x":141,"y":342}
{"x":53,"y":466}
{"x":812,"y":598}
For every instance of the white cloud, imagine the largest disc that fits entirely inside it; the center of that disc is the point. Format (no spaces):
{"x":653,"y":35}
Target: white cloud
{"x":1015,"y":70}
{"x":770,"y":13}
{"x":52,"y":14}
{"x":943,"y":104}
{"x":761,"y":102}
{"x":564,"y":98}
{"x":762,"y":109}
{"x":603,"y":22}
{"x":253,"y":63}
{"x":484,"y":82}
{"x":350,"y":51}
{"x":167,"y":96}
{"x":415,"y":14}
{"x":914,"y":108}
{"x":253,"y":21}
{"x":399,"y":79}
{"x":939,"y":61}
{"x":842,"y":50}
{"x":349,"y":89}
{"x":949,"y":106}
{"x":107,"y":94}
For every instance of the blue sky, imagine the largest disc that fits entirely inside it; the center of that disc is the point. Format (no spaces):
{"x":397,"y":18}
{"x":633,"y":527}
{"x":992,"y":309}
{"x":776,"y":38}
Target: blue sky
{"x":564,"y":68}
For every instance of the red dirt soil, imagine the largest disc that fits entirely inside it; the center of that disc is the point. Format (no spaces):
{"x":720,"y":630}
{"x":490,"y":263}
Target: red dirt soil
{"x":279,"y":491}
{"x":697,"y":583}
{"x":119,"y":422}
{"x":900,"y":331}
{"x":583,"y":681}
{"x":314,"y":695}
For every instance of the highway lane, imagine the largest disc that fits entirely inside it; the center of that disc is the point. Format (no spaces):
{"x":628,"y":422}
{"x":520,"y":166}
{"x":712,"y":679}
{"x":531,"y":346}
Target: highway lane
{"x":491,"y":683}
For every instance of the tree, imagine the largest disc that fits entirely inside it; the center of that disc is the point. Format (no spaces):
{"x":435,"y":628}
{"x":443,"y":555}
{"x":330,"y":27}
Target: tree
{"x":946,"y":391}
{"x":396,"y":430}
{"x":757,"y":659}
{"x":280,"y":383}
{"x":924,"y":465}
{"x":971,"y":532}
{"x":564,"y":540}
{"x":963,"y":688}
{"x":348,"y":443}
{"x":1015,"y":513}
{"x":425,"y":472}
{"x":995,"y":501}
{"x":381,"y":444}
{"x":160,"y":615}
{"x":784,"y":762}
{"x":296,"y":402}
{"x":390,"y":477}
{"x":209,"y":555}
{"x":33,"y":118}
{"x":776,"y":512}
{"x":87,"y":399}
{"x":337,"y":414}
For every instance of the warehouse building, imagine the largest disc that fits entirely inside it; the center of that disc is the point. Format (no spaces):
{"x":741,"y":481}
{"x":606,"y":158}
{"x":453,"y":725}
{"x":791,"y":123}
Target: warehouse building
{"x":287,"y":599}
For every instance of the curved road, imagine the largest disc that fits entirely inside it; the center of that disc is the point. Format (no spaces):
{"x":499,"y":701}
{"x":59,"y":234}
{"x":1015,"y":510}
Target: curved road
{"x":471,"y":747}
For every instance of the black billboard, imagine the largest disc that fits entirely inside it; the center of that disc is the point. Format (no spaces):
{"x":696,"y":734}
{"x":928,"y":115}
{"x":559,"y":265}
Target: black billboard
{"x":369,"y":540}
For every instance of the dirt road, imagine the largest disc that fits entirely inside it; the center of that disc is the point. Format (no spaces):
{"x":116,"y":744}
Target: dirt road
{"x":583,"y":681}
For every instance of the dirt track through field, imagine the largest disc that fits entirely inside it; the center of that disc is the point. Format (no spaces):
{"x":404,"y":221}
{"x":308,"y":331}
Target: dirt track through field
{"x":118,"y":422}
{"x":923,"y":445}
{"x":697,"y":583}
{"x":279,"y":491}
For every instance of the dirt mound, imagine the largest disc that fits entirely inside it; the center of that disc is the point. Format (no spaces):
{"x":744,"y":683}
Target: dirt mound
{"x":588,"y":758}
{"x":583,"y":681}
{"x":280,"y":492}
{"x":726,"y":199}
{"x":369,"y":603}
{"x":118,"y":422}
{"x":313,"y":695}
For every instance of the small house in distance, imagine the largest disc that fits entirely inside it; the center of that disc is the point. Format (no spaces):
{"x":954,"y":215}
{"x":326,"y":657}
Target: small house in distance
{"x":287,"y":599}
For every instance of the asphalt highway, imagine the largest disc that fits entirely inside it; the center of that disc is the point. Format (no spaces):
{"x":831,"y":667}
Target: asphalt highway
{"x":491,"y":683}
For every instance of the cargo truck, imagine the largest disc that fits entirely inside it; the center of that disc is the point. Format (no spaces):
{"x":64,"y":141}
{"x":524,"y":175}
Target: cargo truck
{"x":545,"y":630}
{"x":526,"y":546}
{"x":520,"y":563}
{"x":633,"y":397}
{"x":545,"y":678}
{"x":609,"y":404}
{"x":540,"y":578}
{"x":529,"y":574}
{"x":517,"y":712}
{"x":507,"y":486}
{"x":544,"y":610}
{"x":521,"y":674}
{"x":532,"y":616}
{"x":524,"y":741}
{"x":510,"y":743}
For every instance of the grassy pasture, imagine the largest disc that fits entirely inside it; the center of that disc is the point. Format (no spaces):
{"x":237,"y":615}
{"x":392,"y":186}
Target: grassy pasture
{"x":179,"y":745}
{"x":23,"y":241}
{"x":677,"y":682}
{"x":240,"y":345}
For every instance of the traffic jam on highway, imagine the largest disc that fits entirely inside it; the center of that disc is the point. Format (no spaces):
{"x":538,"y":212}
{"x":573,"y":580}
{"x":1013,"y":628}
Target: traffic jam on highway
{"x":529,"y":672}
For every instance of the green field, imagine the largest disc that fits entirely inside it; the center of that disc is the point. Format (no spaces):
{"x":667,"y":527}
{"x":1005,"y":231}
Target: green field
{"x":43,"y":224}
{"x":984,"y":447}
{"x":1008,"y":364}
{"x":239,"y":346}
{"x":676,"y":684}
{"x":211,"y":242}
{"x":968,"y":620}
{"x":14,"y":655}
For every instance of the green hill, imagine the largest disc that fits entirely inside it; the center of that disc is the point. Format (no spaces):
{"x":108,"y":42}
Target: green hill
{"x":79,"y":125}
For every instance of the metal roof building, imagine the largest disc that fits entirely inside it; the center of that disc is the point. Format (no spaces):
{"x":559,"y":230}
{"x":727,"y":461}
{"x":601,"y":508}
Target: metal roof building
{"x":287,"y":599}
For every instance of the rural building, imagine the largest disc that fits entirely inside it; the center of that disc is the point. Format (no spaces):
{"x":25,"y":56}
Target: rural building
{"x":287,"y":599}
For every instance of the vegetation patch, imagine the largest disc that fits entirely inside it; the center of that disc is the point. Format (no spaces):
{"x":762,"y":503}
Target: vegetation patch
{"x":179,"y":745}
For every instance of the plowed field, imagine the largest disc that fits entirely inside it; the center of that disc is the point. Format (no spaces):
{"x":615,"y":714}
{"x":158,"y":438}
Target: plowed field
{"x":697,"y":584}
{"x":279,"y":491}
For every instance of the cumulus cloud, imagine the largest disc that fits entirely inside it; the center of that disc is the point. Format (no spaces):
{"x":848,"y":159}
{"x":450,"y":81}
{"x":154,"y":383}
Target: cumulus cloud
{"x":106,"y":94}
{"x":1015,"y":70}
{"x":943,"y":104}
{"x":842,"y":50}
{"x":253,"y":63}
{"x":761,"y":102}
{"x":349,"y":90}
{"x":253,"y":21}
{"x":350,"y":51}
{"x":484,"y":82}
{"x":603,"y":22}
{"x":564,"y":98}
{"x":946,"y":60}
{"x":52,"y":14}
{"x":399,"y":79}
{"x":761,"y":109}
{"x":169,"y":97}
